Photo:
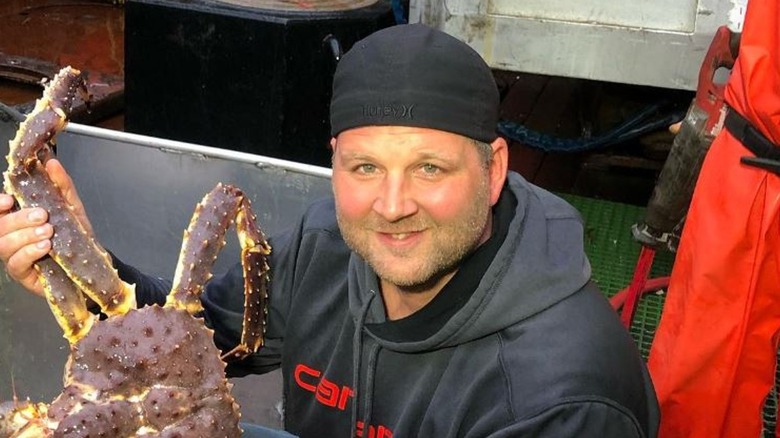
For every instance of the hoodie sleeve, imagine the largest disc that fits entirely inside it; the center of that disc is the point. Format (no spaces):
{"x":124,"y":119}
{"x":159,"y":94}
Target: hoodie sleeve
{"x":581,"y":419}
{"x":148,"y":290}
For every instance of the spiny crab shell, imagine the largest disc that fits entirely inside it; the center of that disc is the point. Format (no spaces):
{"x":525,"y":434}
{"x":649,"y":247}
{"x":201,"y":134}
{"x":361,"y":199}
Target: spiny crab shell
{"x":153,"y":371}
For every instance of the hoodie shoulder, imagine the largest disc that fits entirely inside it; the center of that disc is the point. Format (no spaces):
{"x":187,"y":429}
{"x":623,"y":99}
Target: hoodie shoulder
{"x":321,"y":216}
{"x":553,"y":206}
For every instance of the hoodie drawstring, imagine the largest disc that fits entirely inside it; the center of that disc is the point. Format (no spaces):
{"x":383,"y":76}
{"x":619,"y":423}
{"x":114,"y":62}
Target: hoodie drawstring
{"x":369,"y":387}
{"x":357,"y":352}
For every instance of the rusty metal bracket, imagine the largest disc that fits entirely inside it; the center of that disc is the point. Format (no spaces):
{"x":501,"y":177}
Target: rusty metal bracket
{"x":106,"y":91}
{"x":25,"y":70}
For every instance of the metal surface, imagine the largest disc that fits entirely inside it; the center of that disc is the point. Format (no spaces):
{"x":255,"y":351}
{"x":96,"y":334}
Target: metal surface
{"x":660,"y":43}
{"x":139,"y":193}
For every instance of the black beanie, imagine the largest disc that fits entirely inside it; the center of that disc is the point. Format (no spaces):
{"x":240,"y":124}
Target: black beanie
{"x":413,"y":75}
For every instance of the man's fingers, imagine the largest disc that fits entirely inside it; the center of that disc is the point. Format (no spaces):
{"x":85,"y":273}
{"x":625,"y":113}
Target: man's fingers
{"x":6,"y":203}
{"x":18,"y":231}
{"x":11,"y":223}
{"x":24,"y":239}
{"x":20,"y":265}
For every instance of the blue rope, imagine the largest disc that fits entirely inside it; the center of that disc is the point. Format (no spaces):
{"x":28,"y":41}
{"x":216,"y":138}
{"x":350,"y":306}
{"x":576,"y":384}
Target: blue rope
{"x":629,"y":129}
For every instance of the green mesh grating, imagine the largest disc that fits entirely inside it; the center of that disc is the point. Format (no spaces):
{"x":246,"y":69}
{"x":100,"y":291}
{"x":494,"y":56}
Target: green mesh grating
{"x":613,"y":254}
{"x":769,"y":412}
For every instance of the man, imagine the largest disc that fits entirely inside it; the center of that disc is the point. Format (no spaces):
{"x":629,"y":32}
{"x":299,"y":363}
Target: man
{"x":436,"y":295}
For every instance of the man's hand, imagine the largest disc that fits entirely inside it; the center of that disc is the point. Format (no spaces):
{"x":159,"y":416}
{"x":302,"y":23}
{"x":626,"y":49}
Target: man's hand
{"x":25,"y":234}
{"x":24,"y":238}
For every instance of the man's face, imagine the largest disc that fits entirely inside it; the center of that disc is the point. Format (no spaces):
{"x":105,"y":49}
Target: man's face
{"x":411,"y":201}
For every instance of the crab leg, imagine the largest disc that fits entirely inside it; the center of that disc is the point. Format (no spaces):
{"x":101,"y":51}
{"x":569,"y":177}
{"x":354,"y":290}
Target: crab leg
{"x":203,"y":239}
{"x":254,"y":253}
{"x":65,"y":300}
{"x":73,"y":248}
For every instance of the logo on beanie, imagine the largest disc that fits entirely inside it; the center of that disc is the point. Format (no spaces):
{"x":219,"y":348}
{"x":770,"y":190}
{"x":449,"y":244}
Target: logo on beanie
{"x":388,"y":110}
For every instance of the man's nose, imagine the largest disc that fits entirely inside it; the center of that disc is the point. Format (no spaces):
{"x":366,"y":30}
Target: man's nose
{"x":395,"y":200}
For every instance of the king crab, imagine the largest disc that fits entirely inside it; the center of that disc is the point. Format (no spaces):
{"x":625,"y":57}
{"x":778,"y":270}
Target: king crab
{"x":153,"y":371}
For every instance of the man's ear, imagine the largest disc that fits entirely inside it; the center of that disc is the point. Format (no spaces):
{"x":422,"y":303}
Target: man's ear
{"x":333,"y":143}
{"x":498,"y":168}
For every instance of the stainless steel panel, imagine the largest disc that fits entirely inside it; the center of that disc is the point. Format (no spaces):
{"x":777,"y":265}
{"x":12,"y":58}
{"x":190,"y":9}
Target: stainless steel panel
{"x":140,"y":193}
{"x":670,"y":15}
{"x":659,"y":43}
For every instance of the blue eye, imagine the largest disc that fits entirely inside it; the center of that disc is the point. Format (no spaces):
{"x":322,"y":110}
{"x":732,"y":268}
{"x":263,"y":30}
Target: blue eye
{"x":429,"y":169}
{"x":366,"y":168}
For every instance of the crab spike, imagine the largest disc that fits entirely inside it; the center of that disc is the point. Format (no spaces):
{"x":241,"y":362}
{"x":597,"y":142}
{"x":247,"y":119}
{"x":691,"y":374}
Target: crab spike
{"x":65,"y":300}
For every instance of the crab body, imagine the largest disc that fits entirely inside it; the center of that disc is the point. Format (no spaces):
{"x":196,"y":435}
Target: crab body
{"x":142,"y":372}
{"x":153,"y":371}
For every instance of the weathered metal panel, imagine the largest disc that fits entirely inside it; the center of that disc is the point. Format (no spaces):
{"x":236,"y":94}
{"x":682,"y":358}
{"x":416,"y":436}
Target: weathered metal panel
{"x":140,"y":193}
{"x":668,"y":15}
{"x":659,"y":43}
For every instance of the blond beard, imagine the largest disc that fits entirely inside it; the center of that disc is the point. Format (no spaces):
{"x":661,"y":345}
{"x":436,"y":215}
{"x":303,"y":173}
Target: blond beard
{"x":447,"y":246}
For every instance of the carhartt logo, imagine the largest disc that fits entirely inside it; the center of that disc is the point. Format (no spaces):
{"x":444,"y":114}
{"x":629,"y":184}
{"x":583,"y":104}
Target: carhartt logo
{"x":335,"y":396}
{"x":387,"y":110}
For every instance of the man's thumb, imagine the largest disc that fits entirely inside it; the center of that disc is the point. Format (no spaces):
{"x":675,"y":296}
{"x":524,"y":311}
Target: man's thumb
{"x":60,"y":177}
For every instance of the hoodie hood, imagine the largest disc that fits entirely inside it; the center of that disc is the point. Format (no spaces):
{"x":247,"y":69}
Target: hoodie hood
{"x":540,"y":262}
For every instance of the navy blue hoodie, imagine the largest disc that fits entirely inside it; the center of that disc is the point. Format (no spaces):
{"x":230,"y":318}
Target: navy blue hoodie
{"x":518,"y":343}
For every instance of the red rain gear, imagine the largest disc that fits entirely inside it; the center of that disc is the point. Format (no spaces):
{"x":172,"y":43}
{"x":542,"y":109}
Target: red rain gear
{"x":714,"y":354}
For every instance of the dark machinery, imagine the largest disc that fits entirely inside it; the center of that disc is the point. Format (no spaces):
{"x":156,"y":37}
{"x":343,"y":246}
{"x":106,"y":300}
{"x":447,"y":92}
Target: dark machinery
{"x":251,"y":76}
